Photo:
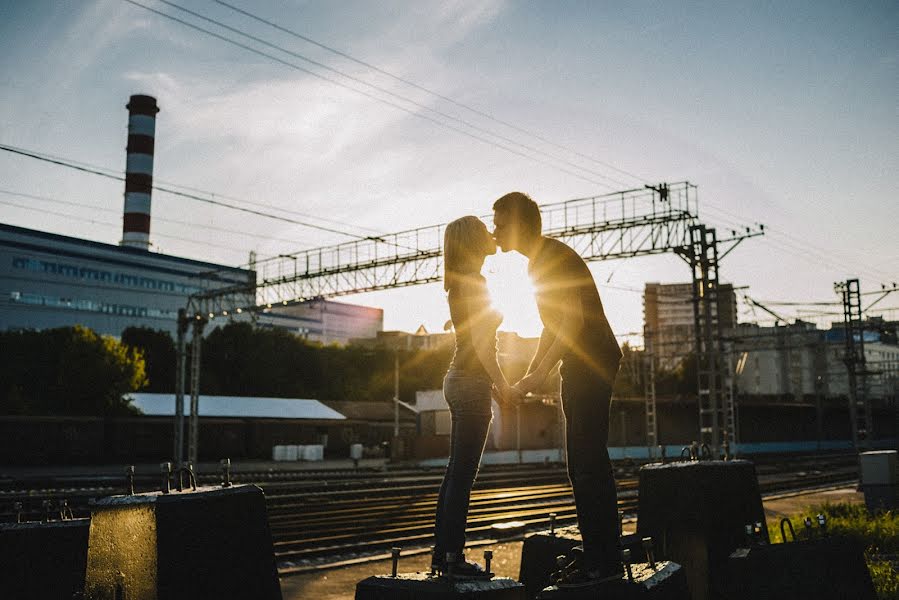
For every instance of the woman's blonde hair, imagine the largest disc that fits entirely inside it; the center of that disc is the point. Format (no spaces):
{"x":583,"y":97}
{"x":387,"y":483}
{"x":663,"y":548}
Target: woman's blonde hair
{"x":466,"y":242}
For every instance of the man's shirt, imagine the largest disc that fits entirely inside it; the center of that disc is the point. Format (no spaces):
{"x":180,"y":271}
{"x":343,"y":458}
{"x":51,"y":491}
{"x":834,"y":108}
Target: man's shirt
{"x":560,"y":278}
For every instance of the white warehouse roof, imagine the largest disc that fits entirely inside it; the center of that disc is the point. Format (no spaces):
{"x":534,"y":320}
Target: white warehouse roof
{"x":236,"y":406}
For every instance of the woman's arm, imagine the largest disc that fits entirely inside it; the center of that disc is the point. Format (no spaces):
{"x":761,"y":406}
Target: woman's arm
{"x":483,"y":338}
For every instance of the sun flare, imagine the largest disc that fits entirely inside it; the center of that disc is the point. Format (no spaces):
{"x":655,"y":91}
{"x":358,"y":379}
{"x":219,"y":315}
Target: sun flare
{"x":512,"y":294}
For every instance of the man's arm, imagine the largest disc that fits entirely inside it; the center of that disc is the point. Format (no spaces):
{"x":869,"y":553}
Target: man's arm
{"x":546,"y":340}
{"x":571,"y":326}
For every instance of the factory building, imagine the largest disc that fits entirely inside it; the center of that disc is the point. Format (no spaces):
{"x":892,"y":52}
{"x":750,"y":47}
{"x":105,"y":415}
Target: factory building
{"x":49,"y":280}
{"x":325,"y":321}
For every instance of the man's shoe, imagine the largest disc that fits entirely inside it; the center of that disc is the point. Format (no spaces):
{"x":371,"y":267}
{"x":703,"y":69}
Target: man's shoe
{"x":461,"y":569}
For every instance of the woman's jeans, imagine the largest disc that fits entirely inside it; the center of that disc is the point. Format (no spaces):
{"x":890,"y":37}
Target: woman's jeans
{"x":469,"y":402}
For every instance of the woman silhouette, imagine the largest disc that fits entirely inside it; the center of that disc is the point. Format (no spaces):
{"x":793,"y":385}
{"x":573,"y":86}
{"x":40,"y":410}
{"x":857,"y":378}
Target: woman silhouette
{"x":473,"y":373}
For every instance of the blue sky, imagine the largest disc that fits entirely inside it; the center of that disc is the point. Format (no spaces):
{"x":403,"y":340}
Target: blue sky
{"x":785,"y":115}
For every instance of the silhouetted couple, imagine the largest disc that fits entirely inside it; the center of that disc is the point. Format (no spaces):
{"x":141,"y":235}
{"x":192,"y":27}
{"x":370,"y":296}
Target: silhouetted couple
{"x":575,"y":331}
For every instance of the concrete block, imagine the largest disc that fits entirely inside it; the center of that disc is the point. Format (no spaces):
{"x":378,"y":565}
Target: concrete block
{"x":881,"y":497}
{"x":696,"y":512}
{"x":43,"y":560}
{"x":538,"y":556}
{"x":539,"y":552}
{"x":819,"y":569}
{"x":665,"y":581}
{"x":880,"y":467}
{"x":209,"y":543}
{"x":423,"y":586}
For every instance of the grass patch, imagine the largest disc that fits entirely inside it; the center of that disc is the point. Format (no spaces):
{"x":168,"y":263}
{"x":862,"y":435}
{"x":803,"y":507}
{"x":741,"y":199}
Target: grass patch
{"x":878,"y":534}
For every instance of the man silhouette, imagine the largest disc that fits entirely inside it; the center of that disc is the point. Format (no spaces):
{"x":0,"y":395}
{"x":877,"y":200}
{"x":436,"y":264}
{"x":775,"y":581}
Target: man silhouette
{"x":575,"y":331}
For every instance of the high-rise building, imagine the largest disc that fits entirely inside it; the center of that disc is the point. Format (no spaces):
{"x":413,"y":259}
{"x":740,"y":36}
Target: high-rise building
{"x":669,"y":324}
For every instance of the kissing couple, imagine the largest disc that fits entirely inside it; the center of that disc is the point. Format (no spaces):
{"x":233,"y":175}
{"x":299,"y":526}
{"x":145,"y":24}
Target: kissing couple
{"x":575,"y":332}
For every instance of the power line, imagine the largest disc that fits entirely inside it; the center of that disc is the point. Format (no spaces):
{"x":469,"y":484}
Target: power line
{"x":108,"y":224}
{"x":388,"y":92}
{"x":70,"y":165}
{"x":790,"y":246}
{"x":118,"y":174}
{"x":373,"y":97}
{"x":426,"y":90}
{"x":155,"y":219}
{"x":798,"y":244}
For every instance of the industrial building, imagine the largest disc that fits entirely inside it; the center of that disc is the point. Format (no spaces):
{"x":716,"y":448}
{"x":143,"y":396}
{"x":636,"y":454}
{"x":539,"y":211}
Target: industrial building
{"x":669,"y":322}
{"x":800,"y":362}
{"x":49,"y":280}
{"x":325,"y":321}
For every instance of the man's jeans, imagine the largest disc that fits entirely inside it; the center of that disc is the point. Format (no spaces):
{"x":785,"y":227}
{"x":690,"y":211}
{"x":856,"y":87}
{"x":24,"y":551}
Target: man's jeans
{"x":469,"y":402}
{"x":585,"y":400}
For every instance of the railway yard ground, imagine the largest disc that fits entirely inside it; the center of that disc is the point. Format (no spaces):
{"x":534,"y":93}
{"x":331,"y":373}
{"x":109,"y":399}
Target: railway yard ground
{"x":340,"y":583}
{"x":333,"y":525}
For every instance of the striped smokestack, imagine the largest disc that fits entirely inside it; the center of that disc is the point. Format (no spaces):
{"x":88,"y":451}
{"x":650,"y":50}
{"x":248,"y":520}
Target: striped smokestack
{"x":139,"y":171}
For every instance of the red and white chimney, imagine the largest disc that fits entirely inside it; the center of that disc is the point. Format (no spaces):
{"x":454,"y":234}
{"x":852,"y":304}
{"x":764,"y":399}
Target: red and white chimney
{"x":139,"y":171}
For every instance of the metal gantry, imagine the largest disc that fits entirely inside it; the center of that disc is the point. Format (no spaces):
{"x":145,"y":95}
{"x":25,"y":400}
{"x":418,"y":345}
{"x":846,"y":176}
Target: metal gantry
{"x":630,"y":223}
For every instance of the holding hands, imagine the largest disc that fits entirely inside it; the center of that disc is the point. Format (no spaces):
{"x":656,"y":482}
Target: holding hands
{"x":530,"y":382}
{"x":507,"y":394}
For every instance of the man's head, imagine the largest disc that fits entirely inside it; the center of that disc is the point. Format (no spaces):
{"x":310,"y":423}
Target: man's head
{"x":516,"y":222}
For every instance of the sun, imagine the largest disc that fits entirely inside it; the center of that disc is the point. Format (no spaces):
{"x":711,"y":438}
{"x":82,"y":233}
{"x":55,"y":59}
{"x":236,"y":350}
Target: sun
{"x":512,"y":294}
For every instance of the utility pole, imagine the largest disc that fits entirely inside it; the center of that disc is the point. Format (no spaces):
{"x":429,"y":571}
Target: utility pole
{"x":194,"y":426}
{"x":649,"y":389}
{"x":180,"y":366}
{"x":716,"y":418}
{"x":396,"y":393}
{"x":854,"y":358}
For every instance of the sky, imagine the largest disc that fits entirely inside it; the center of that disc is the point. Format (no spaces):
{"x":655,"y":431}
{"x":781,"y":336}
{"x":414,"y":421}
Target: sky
{"x":781,"y":113}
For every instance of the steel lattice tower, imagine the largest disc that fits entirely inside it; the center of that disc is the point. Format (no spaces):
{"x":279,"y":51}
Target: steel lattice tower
{"x":856,"y":367}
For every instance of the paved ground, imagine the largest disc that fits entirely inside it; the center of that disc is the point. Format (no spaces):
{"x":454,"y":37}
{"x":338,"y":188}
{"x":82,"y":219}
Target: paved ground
{"x":339,"y":584}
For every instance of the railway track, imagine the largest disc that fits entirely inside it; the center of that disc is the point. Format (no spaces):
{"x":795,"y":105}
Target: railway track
{"x":319,"y":519}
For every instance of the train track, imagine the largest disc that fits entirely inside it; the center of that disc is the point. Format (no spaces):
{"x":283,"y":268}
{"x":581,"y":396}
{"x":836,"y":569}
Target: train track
{"x":321,"y":519}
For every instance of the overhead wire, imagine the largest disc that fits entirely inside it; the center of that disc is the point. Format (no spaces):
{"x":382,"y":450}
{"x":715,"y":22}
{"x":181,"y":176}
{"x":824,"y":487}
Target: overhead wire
{"x":174,"y":192}
{"x":426,"y":90}
{"x":369,"y":95}
{"x":787,"y":245}
{"x":109,"y":224}
{"x":155,"y":219}
{"x":801,"y":245}
{"x":118,"y":174}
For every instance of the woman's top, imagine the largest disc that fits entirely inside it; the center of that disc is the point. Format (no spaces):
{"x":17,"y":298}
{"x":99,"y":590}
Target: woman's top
{"x":470,"y":311}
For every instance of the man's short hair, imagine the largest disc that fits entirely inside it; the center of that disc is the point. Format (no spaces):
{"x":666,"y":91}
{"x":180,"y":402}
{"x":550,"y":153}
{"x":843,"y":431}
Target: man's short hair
{"x":523,"y":210}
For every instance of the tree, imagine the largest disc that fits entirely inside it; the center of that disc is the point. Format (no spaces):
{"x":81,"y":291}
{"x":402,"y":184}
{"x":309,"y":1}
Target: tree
{"x":68,"y":371}
{"x":158,"y":350}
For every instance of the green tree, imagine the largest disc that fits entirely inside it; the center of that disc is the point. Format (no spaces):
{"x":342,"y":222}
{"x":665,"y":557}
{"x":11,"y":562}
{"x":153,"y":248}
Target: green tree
{"x":68,"y":371}
{"x":159,"y":352}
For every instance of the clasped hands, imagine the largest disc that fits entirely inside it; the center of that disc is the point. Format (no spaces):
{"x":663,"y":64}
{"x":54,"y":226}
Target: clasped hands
{"x":513,"y":395}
